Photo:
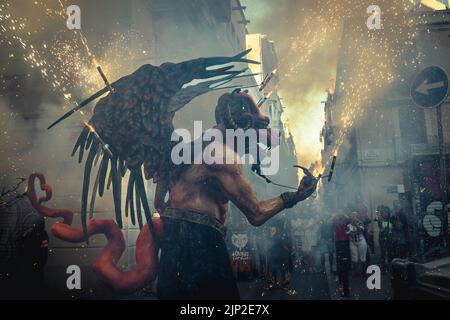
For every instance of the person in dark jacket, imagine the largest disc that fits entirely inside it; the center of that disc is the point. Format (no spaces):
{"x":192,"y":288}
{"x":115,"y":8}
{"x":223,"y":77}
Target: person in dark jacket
{"x":23,"y":251}
{"x":385,"y":236}
{"x":342,"y":244}
{"x":278,"y":257}
{"x":400,"y":232}
{"x":326,"y":243}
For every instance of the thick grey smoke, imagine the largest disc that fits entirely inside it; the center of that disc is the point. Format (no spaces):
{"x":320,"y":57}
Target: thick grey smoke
{"x":27,"y":146}
{"x":303,"y":90}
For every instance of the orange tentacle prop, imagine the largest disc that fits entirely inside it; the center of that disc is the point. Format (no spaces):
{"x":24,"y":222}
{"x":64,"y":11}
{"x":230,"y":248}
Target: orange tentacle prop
{"x":105,"y":265}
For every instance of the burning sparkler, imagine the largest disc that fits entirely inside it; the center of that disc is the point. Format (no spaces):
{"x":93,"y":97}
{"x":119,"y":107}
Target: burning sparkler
{"x":319,"y":170}
{"x":102,"y":74}
{"x":320,"y":26}
{"x":333,"y":163}
{"x":78,"y":106}
{"x":267,"y":79}
{"x":104,"y":145}
{"x":267,"y":96}
{"x":317,"y":30}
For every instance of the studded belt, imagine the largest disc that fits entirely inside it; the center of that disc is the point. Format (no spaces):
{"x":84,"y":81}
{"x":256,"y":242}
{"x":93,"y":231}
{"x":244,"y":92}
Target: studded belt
{"x":195,"y":217}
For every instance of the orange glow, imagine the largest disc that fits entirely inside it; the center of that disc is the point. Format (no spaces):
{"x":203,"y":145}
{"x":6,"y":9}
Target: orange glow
{"x":332,"y":86}
{"x":319,"y":168}
{"x":433,"y":4}
{"x":94,"y":62}
{"x":253,"y":41}
{"x":90,"y":127}
{"x":287,"y":132}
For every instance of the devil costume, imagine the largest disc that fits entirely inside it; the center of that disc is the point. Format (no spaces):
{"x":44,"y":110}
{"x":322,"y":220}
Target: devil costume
{"x":194,"y":261}
{"x":130,"y":132}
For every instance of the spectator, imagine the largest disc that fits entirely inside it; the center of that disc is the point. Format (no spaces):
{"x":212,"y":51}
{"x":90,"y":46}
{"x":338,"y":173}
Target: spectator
{"x":358,"y":244}
{"x":342,"y":252}
{"x":310,"y":244}
{"x":363,"y":216}
{"x":400,"y":232}
{"x":297,"y":238}
{"x":23,"y":251}
{"x":385,"y":226}
{"x":326,"y":243}
{"x":307,"y":239}
{"x":278,"y":258}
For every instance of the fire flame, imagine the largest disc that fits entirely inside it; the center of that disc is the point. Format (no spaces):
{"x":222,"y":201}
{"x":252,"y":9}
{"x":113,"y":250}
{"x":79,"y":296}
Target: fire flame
{"x":319,"y":168}
{"x":94,"y":62}
{"x":90,"y":127}
{"x":332,"y":86}
{"x":287,"y":133}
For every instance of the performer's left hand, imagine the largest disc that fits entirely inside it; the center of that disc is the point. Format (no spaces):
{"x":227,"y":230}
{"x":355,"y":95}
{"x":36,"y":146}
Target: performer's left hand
{"x":307,"y":187}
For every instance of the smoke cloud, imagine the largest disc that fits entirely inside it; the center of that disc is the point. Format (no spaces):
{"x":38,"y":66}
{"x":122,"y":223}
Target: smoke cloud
{"x":301,"y":90}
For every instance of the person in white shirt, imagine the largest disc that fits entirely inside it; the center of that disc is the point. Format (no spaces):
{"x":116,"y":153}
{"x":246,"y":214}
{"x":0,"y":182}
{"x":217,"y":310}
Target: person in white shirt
{"x":358,"y":244}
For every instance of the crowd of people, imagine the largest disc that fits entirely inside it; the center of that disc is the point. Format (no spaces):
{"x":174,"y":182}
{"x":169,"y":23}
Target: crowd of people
{"x":342,"y":244}
{"x":355,"y":245}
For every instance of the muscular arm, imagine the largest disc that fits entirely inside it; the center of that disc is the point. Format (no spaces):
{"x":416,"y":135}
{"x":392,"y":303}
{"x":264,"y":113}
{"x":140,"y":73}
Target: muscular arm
{"x":239,"y":190}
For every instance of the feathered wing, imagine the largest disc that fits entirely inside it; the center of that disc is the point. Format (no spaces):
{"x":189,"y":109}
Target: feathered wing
{"x":135,"y":122}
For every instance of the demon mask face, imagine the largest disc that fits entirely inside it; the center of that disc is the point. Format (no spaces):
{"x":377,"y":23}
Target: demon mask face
{"x":238,"y":110}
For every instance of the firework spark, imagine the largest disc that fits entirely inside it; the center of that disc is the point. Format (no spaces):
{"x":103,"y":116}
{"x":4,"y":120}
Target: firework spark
{"x":372,"y":57}
{"x":66,"y":61}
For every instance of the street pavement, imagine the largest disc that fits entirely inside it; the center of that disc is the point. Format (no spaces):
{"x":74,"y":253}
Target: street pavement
{"x":307,"y":286}
{"x":359,"y":290}
{"x":316,"y":286}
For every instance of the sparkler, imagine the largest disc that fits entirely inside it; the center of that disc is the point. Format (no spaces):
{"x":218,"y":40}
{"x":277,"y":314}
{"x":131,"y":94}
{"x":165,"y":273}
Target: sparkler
{"x":374,"y":55}
{"x":267,"y":79}
{"x":104,"y":145}
{"x":66,"y":55}
{"x":307,"y":172}
{"x":267,"y":96}
{"x":333,"y":163}
{"x":320,"y":176}
{"x":256,"y":168}
{"x":79,"y":106}
{"x":315,"y":31}
{"x":102,"y":74}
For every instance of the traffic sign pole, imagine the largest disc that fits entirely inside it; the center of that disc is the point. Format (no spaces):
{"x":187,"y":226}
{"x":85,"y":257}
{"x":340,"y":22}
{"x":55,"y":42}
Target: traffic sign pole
{"x":430,"y":90}
{"x":443,"y":175}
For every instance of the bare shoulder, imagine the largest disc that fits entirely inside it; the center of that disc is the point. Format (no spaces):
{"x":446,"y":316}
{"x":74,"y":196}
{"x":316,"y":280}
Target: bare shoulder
{"x":222,"y":159}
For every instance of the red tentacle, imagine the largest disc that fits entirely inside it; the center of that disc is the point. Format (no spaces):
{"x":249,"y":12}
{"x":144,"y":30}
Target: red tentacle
{"x":105,"y":264}
{"x":66,"y":214}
